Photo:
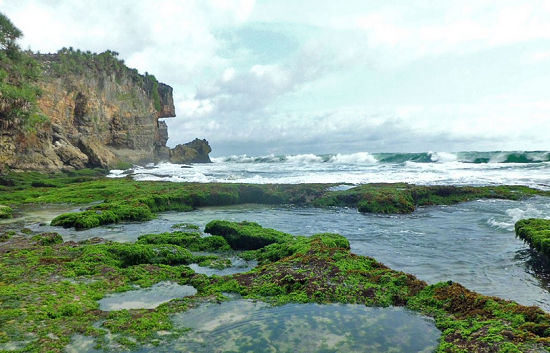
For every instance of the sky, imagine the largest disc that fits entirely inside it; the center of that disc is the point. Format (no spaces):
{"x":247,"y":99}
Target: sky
{"x":292,"y":77}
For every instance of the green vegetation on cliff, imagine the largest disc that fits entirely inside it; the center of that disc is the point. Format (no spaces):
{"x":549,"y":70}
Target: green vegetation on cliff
{"x":536,"y":233}
{"x":68,"y":61}
{"x":19,"y":73}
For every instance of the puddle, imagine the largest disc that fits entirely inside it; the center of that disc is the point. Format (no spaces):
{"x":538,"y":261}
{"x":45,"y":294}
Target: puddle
{"x":146,"y":298}
{"x":239,"y":265}
{"x":251,"y":326}
{"x":40,"y":213}
{"x":13,"y":346}
{"x":80,"y":343}
{"x":247,"y":326}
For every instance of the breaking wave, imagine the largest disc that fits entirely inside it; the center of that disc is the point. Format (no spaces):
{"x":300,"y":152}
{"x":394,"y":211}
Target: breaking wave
{"x":424,"y":157}
{"x":430,"y":168}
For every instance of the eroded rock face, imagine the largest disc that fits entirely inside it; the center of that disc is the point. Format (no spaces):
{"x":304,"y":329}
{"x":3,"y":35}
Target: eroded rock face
{"x":98,"y":118}
{"x":195,"y":151}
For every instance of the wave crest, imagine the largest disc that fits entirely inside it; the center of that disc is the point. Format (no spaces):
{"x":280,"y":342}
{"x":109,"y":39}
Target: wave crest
{"x":355,"y":158}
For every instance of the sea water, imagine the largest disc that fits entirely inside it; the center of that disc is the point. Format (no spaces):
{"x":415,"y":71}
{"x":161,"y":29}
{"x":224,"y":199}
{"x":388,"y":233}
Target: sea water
{"x":252,"y":326}
{"x":433,"y":168}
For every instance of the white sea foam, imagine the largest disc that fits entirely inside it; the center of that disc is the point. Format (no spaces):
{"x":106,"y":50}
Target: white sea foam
{"x":357,"y":168}
{"x":304,"y":158}
{"x":507,"y":222}
{"x":355,"y":158}
{"x":442,"y":157}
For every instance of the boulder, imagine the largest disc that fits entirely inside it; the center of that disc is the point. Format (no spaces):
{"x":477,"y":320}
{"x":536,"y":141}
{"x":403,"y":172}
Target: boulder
{"x":98,"y":154}
{"x":70,"y":155}
{"x":195,"y":151}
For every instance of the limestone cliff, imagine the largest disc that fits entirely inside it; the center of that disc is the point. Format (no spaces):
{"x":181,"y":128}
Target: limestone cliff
{"x":98,"y":113}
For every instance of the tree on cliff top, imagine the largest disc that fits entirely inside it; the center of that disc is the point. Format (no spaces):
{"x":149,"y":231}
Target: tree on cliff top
{"x":18,"y":74}
{"x":8,"y":34}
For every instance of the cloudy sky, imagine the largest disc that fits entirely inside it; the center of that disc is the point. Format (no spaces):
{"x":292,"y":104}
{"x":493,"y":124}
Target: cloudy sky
{"x":287,"y":77}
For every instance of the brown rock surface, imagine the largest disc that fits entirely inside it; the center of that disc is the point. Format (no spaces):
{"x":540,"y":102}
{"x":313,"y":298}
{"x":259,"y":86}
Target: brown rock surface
{"x":195,"y":151}
{"x":93,"y":112}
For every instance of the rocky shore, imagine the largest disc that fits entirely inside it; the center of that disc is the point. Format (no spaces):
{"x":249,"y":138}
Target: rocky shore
{"x":53,"y":288}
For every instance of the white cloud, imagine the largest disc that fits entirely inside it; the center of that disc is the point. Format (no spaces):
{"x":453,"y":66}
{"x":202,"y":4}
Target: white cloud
{"x":460,"y":28}
{"x":538,"y":56}
{"x":172,"y":39}
{"x":368,"y":52}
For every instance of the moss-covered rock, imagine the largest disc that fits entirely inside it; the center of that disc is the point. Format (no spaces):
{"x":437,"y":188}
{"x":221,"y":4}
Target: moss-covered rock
{"x":52,"y":291}
{"x":536,"y":233}
{"x":5,"y":212}
{"x":86,"y":219}
{"x":48,"y":238}
{"x":472,"y":322}
{"x":297,"y":245}
{"x":404,"y":198}
{"x":246,"y":235}
{"x":192,"y":241}
{"x":125,"y":255}
{"x":127,"y":200}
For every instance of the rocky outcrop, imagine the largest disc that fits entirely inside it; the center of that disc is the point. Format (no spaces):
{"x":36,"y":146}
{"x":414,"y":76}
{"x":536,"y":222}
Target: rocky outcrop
{"x":97,"y":112}
{"x":195,"y":151}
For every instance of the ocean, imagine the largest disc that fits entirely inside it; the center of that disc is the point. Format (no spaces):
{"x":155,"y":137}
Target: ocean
{"x":431,"y":168}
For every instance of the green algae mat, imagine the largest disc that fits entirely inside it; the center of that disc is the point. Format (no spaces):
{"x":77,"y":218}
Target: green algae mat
{"x":50,"y":290}
{"x":124,"y":199}
{"x":536,"y":233}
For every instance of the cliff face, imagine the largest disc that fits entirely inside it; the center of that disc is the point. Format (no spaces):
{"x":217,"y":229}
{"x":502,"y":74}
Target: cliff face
{"x":100,"y":113}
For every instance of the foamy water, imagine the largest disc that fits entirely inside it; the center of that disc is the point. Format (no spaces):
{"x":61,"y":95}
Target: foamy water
{"x":432,"y":168}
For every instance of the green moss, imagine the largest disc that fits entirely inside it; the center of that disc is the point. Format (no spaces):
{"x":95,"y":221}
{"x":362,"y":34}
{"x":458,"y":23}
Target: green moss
{"x":536,"y":233}
{"x":124,"y":165}
{"x":297,"y":245}
{"x":124,"y":255}
{"x":53,"y":290}
{"x":130,"y":200}
{"x":386,"y":201}
{"x":404,"y":198}
{"x":5,"y":212}
{"x":5,"y":236}
{"x":246,"y":235}
{"x":86,"y":219}
{"x":191,"y":241}
{"x":48,"y":238}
